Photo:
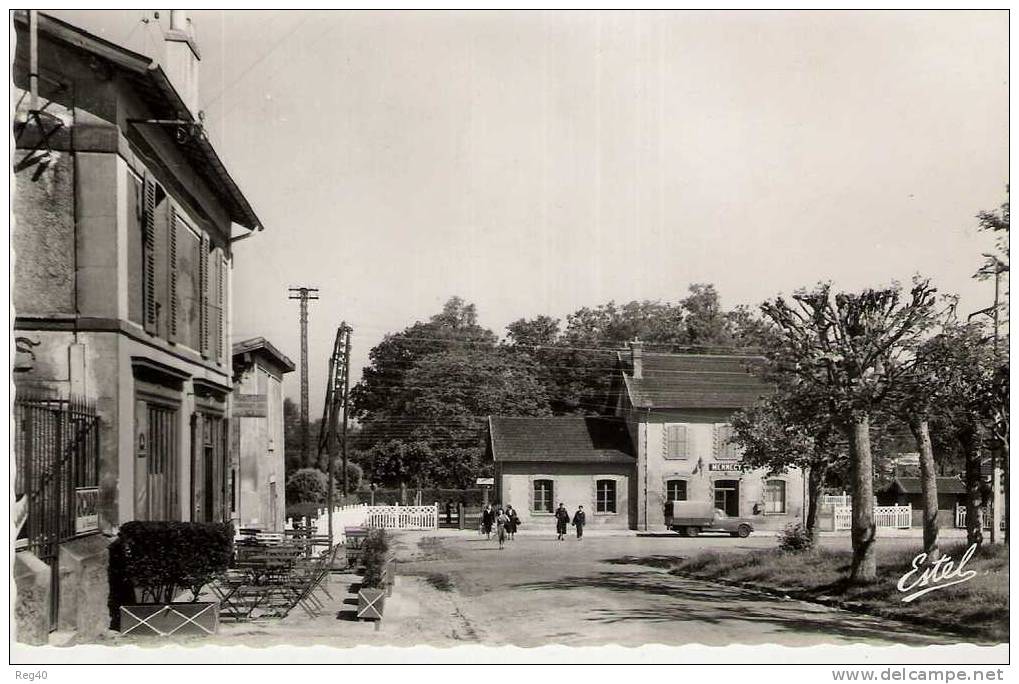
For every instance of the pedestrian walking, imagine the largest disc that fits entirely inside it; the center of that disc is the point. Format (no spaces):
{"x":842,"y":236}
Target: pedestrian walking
{"x":501,"y":522}
{"x":449,"y":512}
{"x":562,"y":519}
{"x":514,"y":521}
{"x":487,"y":520}
{"x":579,"y":520}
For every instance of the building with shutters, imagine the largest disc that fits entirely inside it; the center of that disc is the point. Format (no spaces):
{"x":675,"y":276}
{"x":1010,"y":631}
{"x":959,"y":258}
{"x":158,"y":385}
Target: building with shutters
{"x":124,"y":216}
{"x":665,"y":437}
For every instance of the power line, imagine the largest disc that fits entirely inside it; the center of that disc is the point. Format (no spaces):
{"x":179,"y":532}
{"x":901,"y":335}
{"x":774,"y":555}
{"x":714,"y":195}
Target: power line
{"x":254,"y":64}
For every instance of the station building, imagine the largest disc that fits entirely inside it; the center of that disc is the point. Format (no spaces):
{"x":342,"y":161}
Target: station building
{"x":665,"y":436}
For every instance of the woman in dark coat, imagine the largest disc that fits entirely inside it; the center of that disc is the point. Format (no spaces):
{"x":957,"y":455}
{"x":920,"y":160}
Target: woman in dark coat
{"x":562,"y":519}
{"x":487,"y":520}
{"x":579,"y":520}
{"x":514,"y":520}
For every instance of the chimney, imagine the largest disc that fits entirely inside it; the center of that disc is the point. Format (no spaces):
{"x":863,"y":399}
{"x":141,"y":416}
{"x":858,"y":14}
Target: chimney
{"x":637,"y":358}
{"x":182,"y":59}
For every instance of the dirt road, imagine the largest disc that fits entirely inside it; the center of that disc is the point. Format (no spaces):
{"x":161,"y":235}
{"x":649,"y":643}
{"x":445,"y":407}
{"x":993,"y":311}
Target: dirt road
{"x":541,"y":591}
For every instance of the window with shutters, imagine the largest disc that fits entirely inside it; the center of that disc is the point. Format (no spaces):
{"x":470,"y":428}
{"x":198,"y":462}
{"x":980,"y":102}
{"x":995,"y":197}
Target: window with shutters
{"x":676,"y":441}
{"x":725,"y":448}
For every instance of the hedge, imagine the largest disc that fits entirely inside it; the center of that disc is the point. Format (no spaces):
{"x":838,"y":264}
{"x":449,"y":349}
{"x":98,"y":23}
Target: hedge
{"x":162,"y":558}
{"x":374,"y":554}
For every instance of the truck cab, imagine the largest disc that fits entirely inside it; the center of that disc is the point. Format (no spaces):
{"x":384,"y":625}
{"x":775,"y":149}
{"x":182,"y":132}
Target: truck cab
{"x":690,"y":518}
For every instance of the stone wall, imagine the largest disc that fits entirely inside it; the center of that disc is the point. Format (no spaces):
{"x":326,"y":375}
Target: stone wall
{"x":84,"y":587}
{"x":32,"y":603}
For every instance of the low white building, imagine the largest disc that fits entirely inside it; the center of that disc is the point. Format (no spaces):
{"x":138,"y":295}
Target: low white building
{"x":258,"y":474}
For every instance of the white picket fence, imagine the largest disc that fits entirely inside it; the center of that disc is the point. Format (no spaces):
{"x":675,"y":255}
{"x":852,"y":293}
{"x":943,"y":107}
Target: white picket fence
{"x":403,"y":517}
{"x":363,"y":515}
{"x":836,"y":500}
{"x":900,"y":517}
{"x":960,"y":518}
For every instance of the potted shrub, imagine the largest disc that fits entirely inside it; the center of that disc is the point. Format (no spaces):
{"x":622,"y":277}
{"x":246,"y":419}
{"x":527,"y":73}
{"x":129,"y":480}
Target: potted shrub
{"x":371,"y":597}
{"x":161,"y":561}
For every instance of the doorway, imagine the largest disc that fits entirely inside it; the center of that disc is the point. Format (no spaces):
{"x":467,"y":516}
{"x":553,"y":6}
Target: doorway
{"x":727,"y":497}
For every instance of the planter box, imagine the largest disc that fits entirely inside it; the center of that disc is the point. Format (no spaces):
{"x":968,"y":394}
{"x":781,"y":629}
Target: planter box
{"x":153,"y":619}
{"x":370,"y":604}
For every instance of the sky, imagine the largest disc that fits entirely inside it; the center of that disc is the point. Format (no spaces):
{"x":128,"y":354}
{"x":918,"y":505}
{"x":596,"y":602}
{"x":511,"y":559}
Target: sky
{"x":536,"y":162}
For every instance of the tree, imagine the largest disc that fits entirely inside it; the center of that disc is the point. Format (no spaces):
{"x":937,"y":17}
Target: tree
{"x":934,"y":381}
{"x":842,"y":351}
{"x":432,"y":387}
{"x":786,"y":431}
{"x":580,"y":360}
{"x":396,"y":462}
{"x":382,"y":389}
{"x":293,"y":438}
{"x":307,"y":485}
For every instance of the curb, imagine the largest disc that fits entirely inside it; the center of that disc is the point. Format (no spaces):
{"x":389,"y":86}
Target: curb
{"x":831,"y":602}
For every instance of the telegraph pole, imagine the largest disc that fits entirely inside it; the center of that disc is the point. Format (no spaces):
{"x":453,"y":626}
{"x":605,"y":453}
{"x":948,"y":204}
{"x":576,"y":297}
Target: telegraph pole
{"x":303,"y":294}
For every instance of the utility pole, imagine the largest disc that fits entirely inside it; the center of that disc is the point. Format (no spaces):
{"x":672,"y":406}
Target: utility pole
{"x":304,"y":294}
{"x":996,"y":472}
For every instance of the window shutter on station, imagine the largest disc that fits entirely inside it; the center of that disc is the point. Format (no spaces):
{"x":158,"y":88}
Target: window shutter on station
{"x":675,"y":441}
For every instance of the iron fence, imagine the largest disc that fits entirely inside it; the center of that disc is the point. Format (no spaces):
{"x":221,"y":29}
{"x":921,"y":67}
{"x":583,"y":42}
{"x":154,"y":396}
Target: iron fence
{"x":56,"y":445}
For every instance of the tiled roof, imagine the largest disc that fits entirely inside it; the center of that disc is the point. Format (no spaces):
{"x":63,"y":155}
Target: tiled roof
{"x":561,"y":440}
{"x":695,"y":381}
{"x":946,"y":485}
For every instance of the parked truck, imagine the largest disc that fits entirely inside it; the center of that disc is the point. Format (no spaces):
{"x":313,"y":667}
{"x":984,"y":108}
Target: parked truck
{"x":690,"y":518}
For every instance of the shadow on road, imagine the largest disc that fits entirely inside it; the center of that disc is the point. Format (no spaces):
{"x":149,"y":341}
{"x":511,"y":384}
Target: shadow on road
{"x":696,"y":601}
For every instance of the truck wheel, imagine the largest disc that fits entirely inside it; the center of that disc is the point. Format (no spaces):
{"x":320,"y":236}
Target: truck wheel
{"x":743,"y":531}
{"x":681,"y":531}
{"x":693,"y":531}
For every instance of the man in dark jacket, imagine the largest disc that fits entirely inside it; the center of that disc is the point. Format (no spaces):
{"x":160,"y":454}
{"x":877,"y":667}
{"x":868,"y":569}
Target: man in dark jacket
{"x":579,"y":520}
{"x":562,"y":519}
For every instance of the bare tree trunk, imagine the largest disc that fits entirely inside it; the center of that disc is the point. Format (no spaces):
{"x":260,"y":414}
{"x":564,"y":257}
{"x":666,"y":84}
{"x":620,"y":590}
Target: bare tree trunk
{"x":974,"y":497}
{"x":928,"y":486}
{"x":815,"y":484}
{"x":864,"y":566}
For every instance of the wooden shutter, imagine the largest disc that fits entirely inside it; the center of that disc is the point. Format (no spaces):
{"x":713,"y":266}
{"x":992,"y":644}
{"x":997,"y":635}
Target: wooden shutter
{"x":171,"y":258}
{"x":203,"y":295}
{"x":675,"y":442}
{"x":724,"y":449}
{"x":220,"y":304}
{"x":149,"y":256}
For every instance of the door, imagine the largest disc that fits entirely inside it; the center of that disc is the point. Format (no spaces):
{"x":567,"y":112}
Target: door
{"x":209,"y":500}
{"x":155,"y":480}
{"x":727,"y":497}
